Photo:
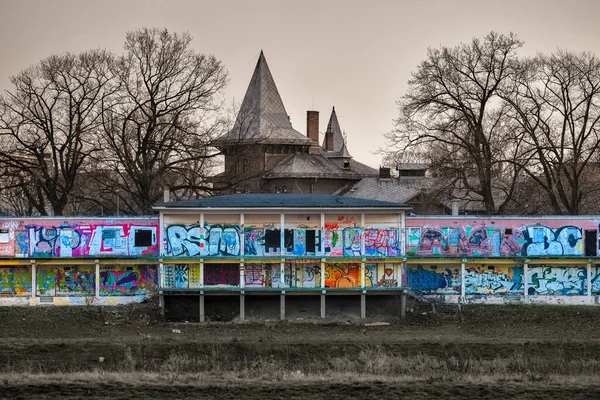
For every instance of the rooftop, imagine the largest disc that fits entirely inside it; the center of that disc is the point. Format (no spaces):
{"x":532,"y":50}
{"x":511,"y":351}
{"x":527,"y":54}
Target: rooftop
{"x":245,"y":201}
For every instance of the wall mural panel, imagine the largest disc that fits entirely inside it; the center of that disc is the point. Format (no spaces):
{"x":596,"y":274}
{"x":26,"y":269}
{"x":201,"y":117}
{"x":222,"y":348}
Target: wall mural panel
{"x":122,"y":280}
{"x":499,"y":238}
{"x":74,"y":280}
{"x":45,"y":238}
{"x":546,"y":280}
{"x":221,"y":274}
{"x":216,"y":240}
{"x":433,"y":279}
{"x":494,"y":280}
{"x":15,"y":281}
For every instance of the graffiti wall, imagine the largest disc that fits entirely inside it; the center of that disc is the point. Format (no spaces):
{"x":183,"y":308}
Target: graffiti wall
{"x":94,"y":237}
{"x":493,"y":280}
{"x":15,"y":281}
{"x":73,"y":280}
{"x":499,"y":237}
{"x":212,"y":240}
{"x":433,"y":279}
{"x":181,"y":276}
{"x":122,"y":280}
{"x":546,"y":280}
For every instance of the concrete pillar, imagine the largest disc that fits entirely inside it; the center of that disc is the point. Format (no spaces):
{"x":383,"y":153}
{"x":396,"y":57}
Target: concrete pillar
{"x":242,"y":275}
{"x":323,"y":304}
{"x":362,"y":274}
{"x":282,"y":305}
{"x":242,"y":306}
{"x":33,"y":300}
{"x":202,"y":306}
{"x":526,"y":279}
{"x":97,"y":291}
{"x":363,"y":304}
{"x":403,"y":305}
{"x":463,"y":268}
{"x":322,"y":273}
{"x":589,"y":279}
{"x":201,"y":272}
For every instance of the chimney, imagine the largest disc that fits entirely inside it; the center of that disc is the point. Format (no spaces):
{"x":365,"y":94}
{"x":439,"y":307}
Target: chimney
{"x":384,"y":173}
{"x":454,"y":206}
{"x":166,"y":195}
{"x":329,"y":140}
{"x":312,"y":125}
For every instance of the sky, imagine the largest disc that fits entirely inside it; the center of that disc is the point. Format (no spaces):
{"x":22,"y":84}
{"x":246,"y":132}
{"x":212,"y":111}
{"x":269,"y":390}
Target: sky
{"x":354,"y":55}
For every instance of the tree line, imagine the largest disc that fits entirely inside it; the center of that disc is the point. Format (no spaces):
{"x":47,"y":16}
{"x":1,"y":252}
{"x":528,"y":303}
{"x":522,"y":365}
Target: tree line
{"x":519,"y":134}
{"x":96,"y":132}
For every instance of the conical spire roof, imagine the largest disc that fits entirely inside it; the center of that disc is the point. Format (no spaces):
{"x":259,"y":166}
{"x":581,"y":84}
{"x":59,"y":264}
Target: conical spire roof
{"x":339,"y":144}
{"x":262,"y":118}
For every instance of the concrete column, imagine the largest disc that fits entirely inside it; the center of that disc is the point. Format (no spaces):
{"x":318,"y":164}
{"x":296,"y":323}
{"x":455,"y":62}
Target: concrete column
{"x":323,"y":304}
{"x":97,"y":278}
{"x":201,"y":272}
{"x":243,"y":238}
{"x":242,"y":275}
{"x":322,"y":234}
{"x":202,"y":306}
{"x":526,"y":279}
{"x":400,"y":269}
{"x":589,"y":279}
{"x":282,"y":234}
{"x":362,"y":234}
{"x":463,"y":268}
{"x":282,"y":305}
{"x":363,"y":305}
{"x":282,"y":273}
{"x":202,"y":239}
{"x":33,"y":300}
{"x":362,"y":274}
{"x":242,"y":306}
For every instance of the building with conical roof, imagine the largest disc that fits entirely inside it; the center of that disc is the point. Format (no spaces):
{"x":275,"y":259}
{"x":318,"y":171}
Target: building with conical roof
{"x":265,"y":154}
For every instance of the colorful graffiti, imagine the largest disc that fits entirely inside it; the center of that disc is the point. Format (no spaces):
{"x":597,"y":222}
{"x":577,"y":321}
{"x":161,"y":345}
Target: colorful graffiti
{"x":345,"y":275}
{"x":118,"y":280}
{"x":221,"y":274}
{"x":217,"y":240}
{"x":486,"y":241}
{"x":382,"y":242}
{"x":66,"y":281}
{"x":15,"y":281}
{"x":493,"y":280}
{"x":254,"y":275}
{"x":433,"y":279}
{"x":302,"y":241}
{"x":545,"y":280}
{"x":56,"y":238}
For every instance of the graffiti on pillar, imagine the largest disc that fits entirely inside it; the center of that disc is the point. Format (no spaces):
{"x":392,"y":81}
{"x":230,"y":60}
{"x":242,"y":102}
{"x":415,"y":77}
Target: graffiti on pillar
{"x":493,"y":280}
{"x":382,"y":242}
{"x":15,"y":281}
{"x":433,"y":279}
{"x":119,"y":280}
{"x":221,"y":274}
{"x":546,"y":280}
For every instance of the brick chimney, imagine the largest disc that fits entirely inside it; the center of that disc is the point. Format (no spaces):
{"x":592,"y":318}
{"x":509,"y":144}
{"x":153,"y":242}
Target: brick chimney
{"x":329,"y":140}
{"x":312,"y":125}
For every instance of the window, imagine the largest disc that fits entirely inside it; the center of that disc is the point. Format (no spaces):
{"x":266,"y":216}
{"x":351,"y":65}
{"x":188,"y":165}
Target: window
{"x":143,"y":238}
{"x":4,"y":236}
{"x":508,"y":231}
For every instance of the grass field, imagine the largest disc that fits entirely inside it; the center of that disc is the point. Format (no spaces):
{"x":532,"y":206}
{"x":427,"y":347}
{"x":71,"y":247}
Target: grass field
{"x":129,"y":352}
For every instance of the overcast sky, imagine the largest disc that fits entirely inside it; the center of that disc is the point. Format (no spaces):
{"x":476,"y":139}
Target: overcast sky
{"x":354,"y":55}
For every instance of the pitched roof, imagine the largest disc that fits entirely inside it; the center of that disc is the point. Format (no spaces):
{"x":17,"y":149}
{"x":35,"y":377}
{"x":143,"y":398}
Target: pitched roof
{"x":303,"y":165}
{"x":262,"y":116}
{"x":339,"y":145}
{"x":245,"y":201}
{"x":379,"y":189}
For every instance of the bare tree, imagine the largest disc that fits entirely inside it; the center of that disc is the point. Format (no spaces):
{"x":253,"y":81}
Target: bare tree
{"x":453,"y":115}
{"x":557,"y":111}
{"x":47,"y":123}
{"x":158,"y":130}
